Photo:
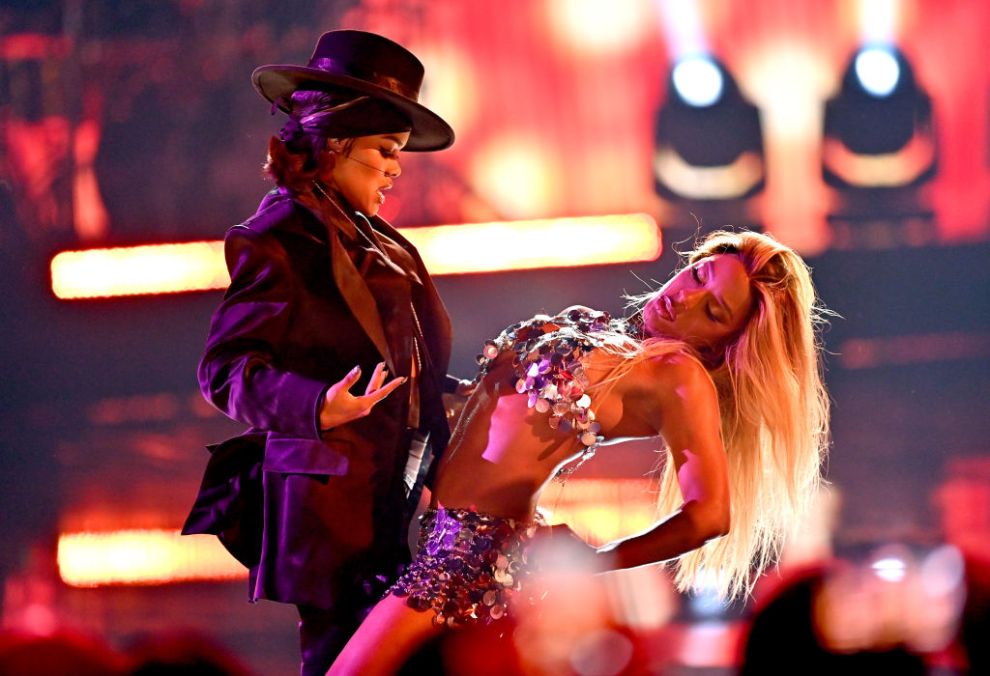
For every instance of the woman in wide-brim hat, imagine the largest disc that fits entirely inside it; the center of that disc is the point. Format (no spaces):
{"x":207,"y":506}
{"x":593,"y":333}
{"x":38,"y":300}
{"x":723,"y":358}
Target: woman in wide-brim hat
{"x":326,"y":296}
{"x":356,"y":63}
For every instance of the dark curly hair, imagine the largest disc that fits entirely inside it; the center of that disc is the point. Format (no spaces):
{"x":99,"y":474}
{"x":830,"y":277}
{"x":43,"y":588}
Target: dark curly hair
{"x":295,"y":156}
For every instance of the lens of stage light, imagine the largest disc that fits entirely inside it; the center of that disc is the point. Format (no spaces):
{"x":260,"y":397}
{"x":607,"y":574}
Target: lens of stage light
{"x":890,"y":568}
{"x":698,"y":81}
{"x":877,"y":70}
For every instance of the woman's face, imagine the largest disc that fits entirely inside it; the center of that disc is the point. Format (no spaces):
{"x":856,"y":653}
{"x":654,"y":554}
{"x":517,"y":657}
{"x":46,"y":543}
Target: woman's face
{"x":363,"y":172}
{"x":705,"y":304}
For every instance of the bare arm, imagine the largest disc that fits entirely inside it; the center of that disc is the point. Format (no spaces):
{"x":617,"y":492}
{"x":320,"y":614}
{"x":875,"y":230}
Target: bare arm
{"x":682,"y":405}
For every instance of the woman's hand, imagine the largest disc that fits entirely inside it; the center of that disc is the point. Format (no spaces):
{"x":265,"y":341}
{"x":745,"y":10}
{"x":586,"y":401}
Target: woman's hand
{"x":340,"y":406}
{"x":465,"y":388}
{"x":453,"y":402}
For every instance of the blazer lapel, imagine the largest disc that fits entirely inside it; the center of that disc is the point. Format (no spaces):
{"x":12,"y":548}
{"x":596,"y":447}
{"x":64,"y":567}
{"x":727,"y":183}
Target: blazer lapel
{"x":432,"y":314}
{"x":349,"y":282}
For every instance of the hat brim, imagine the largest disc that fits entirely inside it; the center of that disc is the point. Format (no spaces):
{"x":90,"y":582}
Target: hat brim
{"x":277,"y":83}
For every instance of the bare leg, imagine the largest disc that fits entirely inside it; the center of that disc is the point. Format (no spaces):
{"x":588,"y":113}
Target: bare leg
{"x":385,"y":640}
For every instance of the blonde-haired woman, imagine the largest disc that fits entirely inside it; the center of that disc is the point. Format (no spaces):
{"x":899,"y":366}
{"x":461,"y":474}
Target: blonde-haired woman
{"x":722,"y":364}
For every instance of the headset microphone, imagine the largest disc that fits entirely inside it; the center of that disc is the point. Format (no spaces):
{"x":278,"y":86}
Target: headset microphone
{"x":370,"y":166}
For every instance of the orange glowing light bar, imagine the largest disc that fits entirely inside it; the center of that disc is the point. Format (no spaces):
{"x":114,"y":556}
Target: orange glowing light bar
{"x":544,"y":243}
{"x":446,"y":250}
{"x":143,"y":557}
{"x":602,"y":510}
{"x":139,"y":270}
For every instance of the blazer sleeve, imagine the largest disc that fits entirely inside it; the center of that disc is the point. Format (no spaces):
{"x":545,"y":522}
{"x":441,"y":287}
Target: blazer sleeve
{"x":240,"y":371}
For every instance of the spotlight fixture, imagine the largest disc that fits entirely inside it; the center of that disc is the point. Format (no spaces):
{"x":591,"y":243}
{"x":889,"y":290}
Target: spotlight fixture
{"x":877,"y":70}
{"x":878,"y":128}
{"x":879,"y":150}
{"x":698,"y":81}
{"x":708,"y":143}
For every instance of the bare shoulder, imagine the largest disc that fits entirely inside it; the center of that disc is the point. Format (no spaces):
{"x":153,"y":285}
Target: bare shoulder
{"x":672,"y":380}
{"x":677,"y":369}
{"x":669,"y":390}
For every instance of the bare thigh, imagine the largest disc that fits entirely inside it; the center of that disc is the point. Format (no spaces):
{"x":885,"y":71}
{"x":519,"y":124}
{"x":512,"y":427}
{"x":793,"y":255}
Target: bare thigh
{"x":385,"y":640}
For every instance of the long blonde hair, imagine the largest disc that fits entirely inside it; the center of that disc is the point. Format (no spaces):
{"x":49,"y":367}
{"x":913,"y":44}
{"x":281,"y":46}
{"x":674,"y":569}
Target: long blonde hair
{"x":774,"y":414}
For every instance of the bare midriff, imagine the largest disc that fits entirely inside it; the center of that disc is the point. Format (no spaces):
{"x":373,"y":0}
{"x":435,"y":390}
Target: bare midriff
{"x":502,"y":452}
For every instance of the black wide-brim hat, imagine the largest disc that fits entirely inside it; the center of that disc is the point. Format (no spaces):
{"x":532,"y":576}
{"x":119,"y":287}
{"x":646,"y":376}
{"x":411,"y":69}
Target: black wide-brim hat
{"x":368,"y":64}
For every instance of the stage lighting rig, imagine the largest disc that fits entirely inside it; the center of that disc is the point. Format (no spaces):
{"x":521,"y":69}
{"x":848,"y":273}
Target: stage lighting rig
{"x":879,"y":150}
{"x":708,"y":158}
{"x":878,"y":129}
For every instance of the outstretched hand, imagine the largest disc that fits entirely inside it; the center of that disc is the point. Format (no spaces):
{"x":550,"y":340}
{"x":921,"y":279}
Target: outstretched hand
{"x":340,"y":406}
{"x":453,"y":402}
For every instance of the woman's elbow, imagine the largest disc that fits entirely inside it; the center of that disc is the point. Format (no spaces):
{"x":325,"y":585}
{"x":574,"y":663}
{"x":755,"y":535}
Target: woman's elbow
{"x":709,"y":521}
{"x":714,"y":527}
{"x":720,"y":527}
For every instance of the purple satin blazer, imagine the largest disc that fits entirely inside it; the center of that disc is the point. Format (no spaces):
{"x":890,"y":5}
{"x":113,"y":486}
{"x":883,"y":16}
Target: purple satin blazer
{"x":315,"y":517}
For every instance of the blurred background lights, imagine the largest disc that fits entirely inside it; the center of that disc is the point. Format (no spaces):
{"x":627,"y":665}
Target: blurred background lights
{"x":527,"y":245}
{"x":877,"y":70}
{"x":593,"y":26}
{"x":943,"y":571}
{"x":604,"y":652}
{"x":704,"y":601}
{"x":446,"y":249}
{"x":643,"y":598}
{"x":789,"y":81}
{"x":601,"y":510}
{"x":890,"y":569}
{"x":517,"y":175}
{"x":878,"y":19}
{"x":450,"y":90}
{"x":142,"y":557}
{"x":680,"y":21}
{"x":125,"y":271}
{"x":698,"y":81}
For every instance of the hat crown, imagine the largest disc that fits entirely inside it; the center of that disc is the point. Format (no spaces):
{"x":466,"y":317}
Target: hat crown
{"x":369,"y":57}
{"x":368,"y":65}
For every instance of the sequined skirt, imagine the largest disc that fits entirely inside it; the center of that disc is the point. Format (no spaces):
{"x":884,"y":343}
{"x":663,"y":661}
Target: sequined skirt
{"x":469,"y":568}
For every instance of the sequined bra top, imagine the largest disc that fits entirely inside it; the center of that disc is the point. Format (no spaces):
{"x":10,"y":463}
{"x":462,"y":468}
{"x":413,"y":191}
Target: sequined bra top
{"x":548,"y":365}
